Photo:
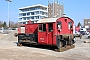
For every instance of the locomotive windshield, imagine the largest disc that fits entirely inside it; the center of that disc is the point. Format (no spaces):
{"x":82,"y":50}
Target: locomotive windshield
{"x":59,"y":25}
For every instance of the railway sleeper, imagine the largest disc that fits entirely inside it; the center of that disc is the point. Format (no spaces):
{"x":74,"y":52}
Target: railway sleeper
{"x":65,"y":48}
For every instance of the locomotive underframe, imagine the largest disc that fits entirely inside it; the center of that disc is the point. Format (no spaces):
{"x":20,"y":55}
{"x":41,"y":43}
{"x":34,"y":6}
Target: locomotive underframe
{"x":65,"y":40}
{"x":61,"y":40}
{"x":27,"y":38}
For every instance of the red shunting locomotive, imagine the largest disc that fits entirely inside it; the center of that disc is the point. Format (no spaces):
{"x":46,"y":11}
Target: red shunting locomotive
{"x":49,"y":31}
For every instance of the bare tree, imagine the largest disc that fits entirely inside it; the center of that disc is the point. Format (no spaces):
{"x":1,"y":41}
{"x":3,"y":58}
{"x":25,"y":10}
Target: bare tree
{"x":2,"y":24}
{"x":13,"y":24}
{"x":16,"y":24}
{"x":79,"y":24}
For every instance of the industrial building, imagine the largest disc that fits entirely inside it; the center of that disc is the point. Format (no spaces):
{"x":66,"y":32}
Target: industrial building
{"x":55,"y":9}
{"x":87,"y":23}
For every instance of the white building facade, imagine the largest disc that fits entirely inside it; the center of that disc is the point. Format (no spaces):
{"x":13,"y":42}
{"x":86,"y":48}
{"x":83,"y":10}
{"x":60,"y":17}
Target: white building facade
{"x":33,"y":13}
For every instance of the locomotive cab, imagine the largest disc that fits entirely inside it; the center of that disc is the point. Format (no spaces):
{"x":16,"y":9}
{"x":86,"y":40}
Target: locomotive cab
{"x":56,"y":32}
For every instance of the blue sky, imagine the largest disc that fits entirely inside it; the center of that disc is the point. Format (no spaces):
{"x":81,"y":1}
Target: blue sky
{"x":75,"y":9}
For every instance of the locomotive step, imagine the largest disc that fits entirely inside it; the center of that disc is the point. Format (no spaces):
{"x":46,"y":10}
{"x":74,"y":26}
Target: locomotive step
{"x":65,"y":48}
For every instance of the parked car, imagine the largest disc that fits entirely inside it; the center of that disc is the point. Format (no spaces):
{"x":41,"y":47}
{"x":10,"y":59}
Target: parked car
{"x":87,"y":33}
{"x":88,"y":30}
{"x":78,"y":34}
{"x":5,"y":30}
{"x":83,"y":29}
{"x":88,"y":36}
{"x":82,"y":32}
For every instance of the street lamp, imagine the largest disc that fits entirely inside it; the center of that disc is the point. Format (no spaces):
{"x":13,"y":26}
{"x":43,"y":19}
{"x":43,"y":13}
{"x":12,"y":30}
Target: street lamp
{"x":8,"y":12}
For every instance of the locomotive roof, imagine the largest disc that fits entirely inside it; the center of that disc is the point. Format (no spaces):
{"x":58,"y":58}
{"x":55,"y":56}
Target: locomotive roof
{"x":48,"y":20}
{"x":68,"y":18}
{"x":45,"y":20}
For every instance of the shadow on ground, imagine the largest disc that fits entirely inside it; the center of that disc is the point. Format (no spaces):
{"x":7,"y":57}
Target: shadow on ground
{"x":47,"y":47}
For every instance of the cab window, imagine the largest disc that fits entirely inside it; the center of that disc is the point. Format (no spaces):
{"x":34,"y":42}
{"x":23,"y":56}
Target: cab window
{"x":59,"y":25}
{"x":42,"y":27}
{"x":50,"y":27}
{"x":70,"y":25}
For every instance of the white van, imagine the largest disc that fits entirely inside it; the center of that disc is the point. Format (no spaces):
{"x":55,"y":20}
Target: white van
{"x":83,"y":29}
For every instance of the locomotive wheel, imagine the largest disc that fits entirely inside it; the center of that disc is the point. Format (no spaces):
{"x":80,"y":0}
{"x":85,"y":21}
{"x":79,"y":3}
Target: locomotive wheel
{"x":71,"y":40}
{"x":61,"y":44}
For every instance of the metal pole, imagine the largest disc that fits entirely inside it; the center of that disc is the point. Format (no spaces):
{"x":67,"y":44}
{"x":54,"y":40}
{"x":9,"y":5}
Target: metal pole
{"x":8,"y":12}
{"x":8,"y":15}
